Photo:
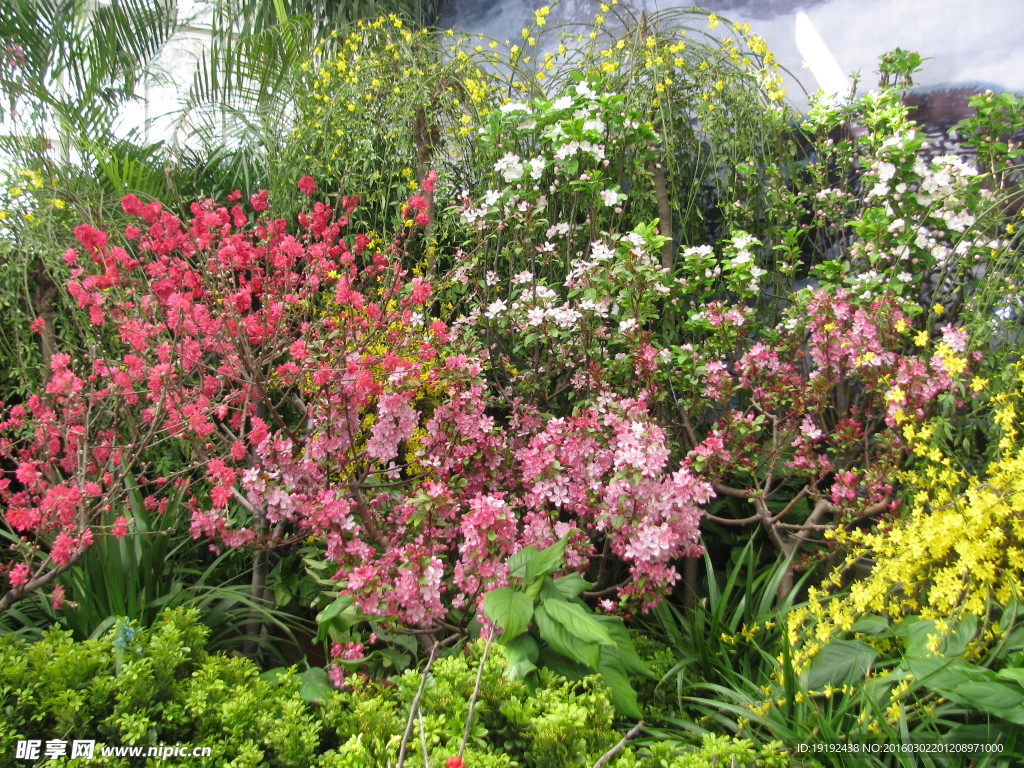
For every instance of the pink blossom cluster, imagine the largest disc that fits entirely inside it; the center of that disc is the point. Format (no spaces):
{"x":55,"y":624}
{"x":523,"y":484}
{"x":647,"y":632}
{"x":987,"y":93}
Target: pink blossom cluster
{"x":799,"y":408}
{"x":609,"y":469}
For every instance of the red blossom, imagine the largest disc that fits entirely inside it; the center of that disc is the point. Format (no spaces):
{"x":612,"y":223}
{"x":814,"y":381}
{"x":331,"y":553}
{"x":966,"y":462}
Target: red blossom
{"x":259,"y":200}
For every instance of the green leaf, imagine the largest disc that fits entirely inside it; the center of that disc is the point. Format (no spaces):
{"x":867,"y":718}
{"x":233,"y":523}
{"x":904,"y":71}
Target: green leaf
{"x":1012,"y":673}
{"x":571,"y":585}
{"x":1002,"y":699}
{"x":560,"y":639}
{"x":623,"y":649}
{"x":522,"y":652}
{"x":341,"y":602}
{"x":920,"y":631}
{"x":520,"y":560}
{"x":314,"y":685}
{"x":546,"y":562}
{"x":871,"y":625}
{"x":578,"y":621}
{"x":945,"y":675}
{"x":620,"y":690}
{"x":509,"y":609}
{"x":561,"y":665}
{"x":275,"y":675}
{"x":839,"y":662}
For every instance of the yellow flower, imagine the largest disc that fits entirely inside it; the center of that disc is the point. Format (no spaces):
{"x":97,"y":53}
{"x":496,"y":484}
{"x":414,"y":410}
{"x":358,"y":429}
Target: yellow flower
{"x":978,"y":384}
{"x":712,"y":20}
{"x":938,"y":309}
{"x":955,"y":365}
{"x":921,"y":339}
{"x":895,"y":395}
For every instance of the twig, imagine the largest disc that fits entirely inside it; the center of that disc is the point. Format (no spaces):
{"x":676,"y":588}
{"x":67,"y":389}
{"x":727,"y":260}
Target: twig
{"x":607,"y":756}
{"x":476,"y":693}
{"x":414,"y":707}
{"x":423,"y":740}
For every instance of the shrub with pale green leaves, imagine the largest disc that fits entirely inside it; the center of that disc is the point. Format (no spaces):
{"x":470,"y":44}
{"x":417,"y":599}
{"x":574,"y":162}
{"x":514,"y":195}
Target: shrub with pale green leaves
{"x":159,"y":686}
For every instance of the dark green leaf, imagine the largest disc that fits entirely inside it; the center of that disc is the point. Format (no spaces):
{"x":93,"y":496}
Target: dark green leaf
{"x":623,"y":649}
{"x":520,"y":560}
{"x":314,"y":685}
{"x":839,"y":662}
{"x":871,"y":625}
{"x":621,"y":692}
{"x":340,"y":603}
{"x":1002,"y":699}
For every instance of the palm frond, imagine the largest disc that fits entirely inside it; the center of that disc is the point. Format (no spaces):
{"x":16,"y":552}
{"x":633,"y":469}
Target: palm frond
{"x":79,"y":64}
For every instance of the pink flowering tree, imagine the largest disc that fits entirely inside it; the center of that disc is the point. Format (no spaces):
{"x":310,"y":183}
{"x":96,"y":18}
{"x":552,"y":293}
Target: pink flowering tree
{"x":804,"y":421}
{"x":315,"y":395}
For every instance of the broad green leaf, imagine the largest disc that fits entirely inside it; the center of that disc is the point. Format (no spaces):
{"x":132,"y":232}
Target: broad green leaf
{"x":621,"y":692}
{"x":578,"y":621}
{"x":960,"y":636}
{"x":571,"y":585}
{"x":562,"y":640}
{"x":518,"y":562}
{"x":623,"y":649}
{"x":1002,"y":699}
{"x":275,"y":675}
{"x":944,"y":675}
{"x":522,"y":655}
{"x":871,"y":625}
{"x":314,"y":685}
{"x":839,"y":662}
{"x":546,"y":562}
{"x":1012,"y":673}
{"x":340,"y":603}
{"x":561,"y":665}
{"x":511,"y":610}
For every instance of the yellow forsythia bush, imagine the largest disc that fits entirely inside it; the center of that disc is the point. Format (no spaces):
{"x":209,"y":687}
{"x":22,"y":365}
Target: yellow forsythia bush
{"x":958,"y":551}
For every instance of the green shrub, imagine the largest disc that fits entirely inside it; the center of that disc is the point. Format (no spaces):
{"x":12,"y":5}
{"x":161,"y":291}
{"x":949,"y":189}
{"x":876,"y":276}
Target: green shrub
{"x":559,"y":724}
{"x":150,"y":687}
{"x":159,"y":686}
